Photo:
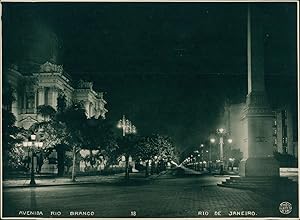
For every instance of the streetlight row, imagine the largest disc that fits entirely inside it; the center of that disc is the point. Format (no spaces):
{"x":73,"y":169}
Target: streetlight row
{"x":221,"y":132}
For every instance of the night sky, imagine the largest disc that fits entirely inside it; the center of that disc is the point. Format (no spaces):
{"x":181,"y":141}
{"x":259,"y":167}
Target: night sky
{"x":169,"y":67}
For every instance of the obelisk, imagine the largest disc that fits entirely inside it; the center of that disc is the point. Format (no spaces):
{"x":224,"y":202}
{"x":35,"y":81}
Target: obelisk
{"x":258,"y":118}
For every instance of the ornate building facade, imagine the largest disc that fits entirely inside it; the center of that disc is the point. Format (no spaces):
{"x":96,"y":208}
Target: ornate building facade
{"x":42,"y":86}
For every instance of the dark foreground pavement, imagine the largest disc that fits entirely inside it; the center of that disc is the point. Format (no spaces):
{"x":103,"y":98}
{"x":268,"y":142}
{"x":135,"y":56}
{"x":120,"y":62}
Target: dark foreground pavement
{"x":196,"y":196}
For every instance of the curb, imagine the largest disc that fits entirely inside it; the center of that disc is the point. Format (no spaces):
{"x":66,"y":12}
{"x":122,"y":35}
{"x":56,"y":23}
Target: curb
{"x":115,"y":181}
{"x":46,"y":185}
{"x":58,"y":184}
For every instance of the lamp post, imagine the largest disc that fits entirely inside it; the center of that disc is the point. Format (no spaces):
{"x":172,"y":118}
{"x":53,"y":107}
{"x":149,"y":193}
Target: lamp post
{"x":212,"y":141}
{"x":221,"y":132}
{"x":32,"y":143}
{"x":202,"y":156}
{"x":231,"y":163}
{"x":229,"y":143}
{"x":126,"y":126}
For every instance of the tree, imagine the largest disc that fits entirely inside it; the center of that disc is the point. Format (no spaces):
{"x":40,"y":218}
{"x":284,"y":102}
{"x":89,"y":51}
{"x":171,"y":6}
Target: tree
{"x":53,"y":135}
{"x":63,"y":131}
{"x":74,"y":117}
{"x":46,"y":111}
{"x":12,"y":138}
{"x":8,"y":96}
{"x":127,"y":147}
{"x":98,"y":135}
{"x":156,"y":147}
{"x":61,"y":103}
{"x":146,"y":150}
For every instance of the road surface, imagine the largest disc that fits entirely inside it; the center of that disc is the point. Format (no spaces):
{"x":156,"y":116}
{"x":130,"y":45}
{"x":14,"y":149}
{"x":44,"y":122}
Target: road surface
{"x":196,"y":196}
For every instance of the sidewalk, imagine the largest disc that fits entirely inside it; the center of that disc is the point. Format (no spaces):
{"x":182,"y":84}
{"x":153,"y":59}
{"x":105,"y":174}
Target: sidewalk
{"x":61,"y":181}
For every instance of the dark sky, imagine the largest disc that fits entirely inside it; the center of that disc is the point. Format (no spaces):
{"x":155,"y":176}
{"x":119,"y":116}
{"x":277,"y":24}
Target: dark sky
{"x":168,"y":66}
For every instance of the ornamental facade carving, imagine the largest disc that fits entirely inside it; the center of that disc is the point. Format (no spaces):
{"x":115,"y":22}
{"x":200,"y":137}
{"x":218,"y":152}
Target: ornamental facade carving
{"x":50,"y":67}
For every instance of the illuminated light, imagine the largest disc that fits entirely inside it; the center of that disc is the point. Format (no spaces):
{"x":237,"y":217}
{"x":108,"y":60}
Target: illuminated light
{"x":206,"y":151}
{"x":221,"y":130}
{"x":202,"y":145}
{"x":25,"y":144}
{"x":29,"y":143}
{"x":133,"y":128}
{"x":84,"y":153}
{"x":119,"y":125}
{"x":229,"y":140}
{"x":33,"y":137}
{"x":95,"y":151}
{"x":212,"y":140}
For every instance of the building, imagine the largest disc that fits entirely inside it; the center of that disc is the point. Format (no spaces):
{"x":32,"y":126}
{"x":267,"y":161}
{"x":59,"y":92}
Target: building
{"x":285,"y":136}
{"x":232,"y":121}
{"x":285,"y":141}
{"x":43,"y":85}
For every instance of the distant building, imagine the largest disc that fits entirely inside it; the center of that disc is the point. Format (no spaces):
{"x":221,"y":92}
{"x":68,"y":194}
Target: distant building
{"x":284,"y":141}
{"x":285,"y":136}
{"x":43,"y":85}
{"x":232,"y":121}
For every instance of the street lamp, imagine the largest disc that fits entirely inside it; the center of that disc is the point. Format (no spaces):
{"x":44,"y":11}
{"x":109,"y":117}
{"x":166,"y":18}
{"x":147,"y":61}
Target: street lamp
{"x":212,"y":141}
{"x":126,"y":126}
{"x":32,"y":143}
{"x":221,"y":132}
{"x":202,"y":154}
{"x":231,"y":161}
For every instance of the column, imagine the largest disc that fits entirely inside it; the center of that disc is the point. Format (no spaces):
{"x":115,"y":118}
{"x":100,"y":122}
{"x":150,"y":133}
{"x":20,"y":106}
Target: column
{"x":258,"y":117}
{"x":54,"y":95}
{"x":41,"y":96}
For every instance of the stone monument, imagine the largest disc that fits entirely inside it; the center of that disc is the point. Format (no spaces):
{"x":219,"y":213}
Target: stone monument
{"x":258,"y":118}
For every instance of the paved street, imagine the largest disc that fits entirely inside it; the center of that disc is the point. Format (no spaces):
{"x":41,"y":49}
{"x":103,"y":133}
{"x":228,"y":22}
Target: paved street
{"x":161,"y":197}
